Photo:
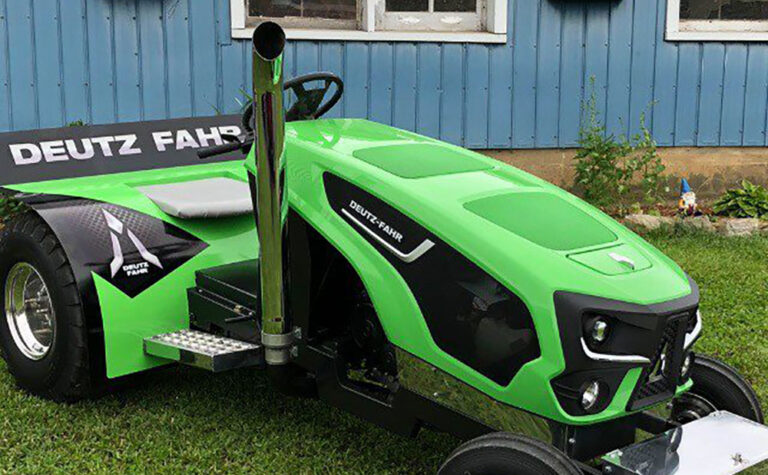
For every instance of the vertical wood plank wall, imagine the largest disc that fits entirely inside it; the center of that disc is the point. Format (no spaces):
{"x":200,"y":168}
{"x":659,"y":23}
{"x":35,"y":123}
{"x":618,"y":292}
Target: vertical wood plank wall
{"x":104,"y":61}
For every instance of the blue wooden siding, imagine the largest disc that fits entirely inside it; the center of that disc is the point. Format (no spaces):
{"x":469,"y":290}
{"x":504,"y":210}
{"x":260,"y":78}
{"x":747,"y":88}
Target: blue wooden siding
{"x":123,"y":60}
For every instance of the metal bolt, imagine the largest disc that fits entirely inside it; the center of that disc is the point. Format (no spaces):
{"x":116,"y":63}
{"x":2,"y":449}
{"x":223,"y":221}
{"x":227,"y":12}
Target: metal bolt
{"x":571,"y":441}
{"x":297,"y":333}
{"x":295,"y":352}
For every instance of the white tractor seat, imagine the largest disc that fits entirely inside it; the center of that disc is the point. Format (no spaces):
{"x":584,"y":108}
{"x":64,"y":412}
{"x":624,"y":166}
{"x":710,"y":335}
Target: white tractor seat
{"x":207,"y":198}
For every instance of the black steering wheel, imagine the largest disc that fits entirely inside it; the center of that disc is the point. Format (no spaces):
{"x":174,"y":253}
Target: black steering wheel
{"x":309,"y":105}
{"x":309,"y":102}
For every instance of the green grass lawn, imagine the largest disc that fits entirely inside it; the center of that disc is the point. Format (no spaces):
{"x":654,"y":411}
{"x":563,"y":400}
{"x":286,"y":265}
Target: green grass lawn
{"x":181,"y":419}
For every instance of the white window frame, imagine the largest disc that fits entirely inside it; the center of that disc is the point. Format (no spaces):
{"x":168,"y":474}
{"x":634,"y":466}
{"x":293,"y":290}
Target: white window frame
{"x":495,"y":13}
{"x":712,"y":30}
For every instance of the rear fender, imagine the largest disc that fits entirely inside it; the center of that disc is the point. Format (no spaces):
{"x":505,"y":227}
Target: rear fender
{"x":132,"y":262}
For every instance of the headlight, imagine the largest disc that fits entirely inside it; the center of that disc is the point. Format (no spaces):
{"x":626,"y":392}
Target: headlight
{"x":600,"y":330}
{"x":590,"y":396}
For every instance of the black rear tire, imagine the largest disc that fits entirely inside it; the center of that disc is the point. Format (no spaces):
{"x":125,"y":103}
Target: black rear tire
{"x":64,"y":372}
{"x":502,"y":453}
{"x":716,"y":386}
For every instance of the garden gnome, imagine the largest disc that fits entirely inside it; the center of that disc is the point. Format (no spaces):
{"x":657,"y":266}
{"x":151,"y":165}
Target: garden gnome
{"x":687,"y":205}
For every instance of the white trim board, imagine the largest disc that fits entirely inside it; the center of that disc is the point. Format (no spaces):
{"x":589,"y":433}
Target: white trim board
{"x":237,"y":14}
{"x":712,"y":30}
{"x":360,"y":35}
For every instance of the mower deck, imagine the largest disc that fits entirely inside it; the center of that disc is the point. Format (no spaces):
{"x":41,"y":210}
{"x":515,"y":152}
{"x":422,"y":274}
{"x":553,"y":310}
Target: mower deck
{"x":719,"y":444}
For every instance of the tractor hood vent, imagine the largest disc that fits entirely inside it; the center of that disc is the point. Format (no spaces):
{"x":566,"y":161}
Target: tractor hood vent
{"x":544,"y":219}
{"x":421,"y":160}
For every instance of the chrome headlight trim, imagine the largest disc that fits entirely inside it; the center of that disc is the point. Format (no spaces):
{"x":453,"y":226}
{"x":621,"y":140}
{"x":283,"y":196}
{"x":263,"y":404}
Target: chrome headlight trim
{"x":691,"y":337}
{"x":635,"y":359}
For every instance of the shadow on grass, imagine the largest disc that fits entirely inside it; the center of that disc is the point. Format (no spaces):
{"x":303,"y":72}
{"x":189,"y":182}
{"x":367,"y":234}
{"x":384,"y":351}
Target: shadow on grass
{"x":178,"y":417}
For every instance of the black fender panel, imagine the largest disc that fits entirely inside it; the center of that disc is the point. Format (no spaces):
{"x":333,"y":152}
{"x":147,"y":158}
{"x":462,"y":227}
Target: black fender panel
{"x":131,"y":250}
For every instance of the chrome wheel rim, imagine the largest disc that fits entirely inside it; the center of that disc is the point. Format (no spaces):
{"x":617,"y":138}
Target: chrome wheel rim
{"x":29,"y":311}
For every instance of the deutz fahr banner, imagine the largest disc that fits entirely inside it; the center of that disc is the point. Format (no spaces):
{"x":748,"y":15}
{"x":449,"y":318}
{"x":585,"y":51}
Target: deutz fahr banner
{"x":70,"y":152}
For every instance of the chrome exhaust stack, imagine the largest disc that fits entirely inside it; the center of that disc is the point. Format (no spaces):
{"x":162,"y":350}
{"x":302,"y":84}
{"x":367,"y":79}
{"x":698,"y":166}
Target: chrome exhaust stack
{"x":266,"y":167}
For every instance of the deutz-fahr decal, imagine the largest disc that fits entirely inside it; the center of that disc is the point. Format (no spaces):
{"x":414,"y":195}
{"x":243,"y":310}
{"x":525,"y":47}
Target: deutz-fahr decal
{"x":70,"y":152}
{"x":131,"y":250}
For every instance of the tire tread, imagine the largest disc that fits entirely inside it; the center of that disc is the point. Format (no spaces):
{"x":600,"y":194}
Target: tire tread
{"x":74,"y":380}
{"x":711,"y":374}
{"x":532,"y":453}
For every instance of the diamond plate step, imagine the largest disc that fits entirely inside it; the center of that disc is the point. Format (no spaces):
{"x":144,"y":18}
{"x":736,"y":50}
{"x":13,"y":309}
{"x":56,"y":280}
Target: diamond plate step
{"x":204,"y":350}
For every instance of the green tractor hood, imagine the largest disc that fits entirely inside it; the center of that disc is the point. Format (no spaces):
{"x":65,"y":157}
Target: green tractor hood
{"x":526,"y":232}
{"x":537,"y":241}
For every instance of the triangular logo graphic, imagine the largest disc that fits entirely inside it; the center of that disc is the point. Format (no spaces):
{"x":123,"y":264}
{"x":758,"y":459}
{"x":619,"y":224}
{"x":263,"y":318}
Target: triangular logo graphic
{"x":116,"y":229}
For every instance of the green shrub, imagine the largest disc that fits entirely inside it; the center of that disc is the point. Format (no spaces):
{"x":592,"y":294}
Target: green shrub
{"x":8,"y":207}
{"x":749,"y":201}
{"x":611,"y":170}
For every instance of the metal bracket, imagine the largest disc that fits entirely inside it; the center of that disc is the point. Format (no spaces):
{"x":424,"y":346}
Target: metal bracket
{"x":277,"y":348}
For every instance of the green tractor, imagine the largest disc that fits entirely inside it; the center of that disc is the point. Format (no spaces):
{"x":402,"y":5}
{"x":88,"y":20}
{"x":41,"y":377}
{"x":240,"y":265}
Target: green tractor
{"x":410,"y":282}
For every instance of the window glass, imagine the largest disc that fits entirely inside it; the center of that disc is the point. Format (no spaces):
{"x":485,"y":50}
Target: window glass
{"x":387,"y":15}
{"x":455,"y":5}
{"x":724,"y":9}
{"x":407,"y":5}
{"x":334,"y":9}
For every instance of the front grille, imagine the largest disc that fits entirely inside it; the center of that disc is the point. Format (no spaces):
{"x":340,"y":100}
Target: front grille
{"x":659,"y":380}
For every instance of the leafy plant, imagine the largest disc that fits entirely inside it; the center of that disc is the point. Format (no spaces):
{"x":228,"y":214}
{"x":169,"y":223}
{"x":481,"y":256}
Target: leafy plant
{"x":609,"y":168}
{"x":244,"y":101}
{"x":749,"y":201}
{"x":76,"y":123}
{"x":9,"y":207}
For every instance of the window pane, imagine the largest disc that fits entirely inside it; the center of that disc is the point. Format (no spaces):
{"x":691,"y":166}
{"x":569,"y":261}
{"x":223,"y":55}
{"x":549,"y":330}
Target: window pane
{"x":407,"y":5}
{"x":336,"y":9}
{"x":724,"y":9}
{"x":274,"y":8}
{"x":455,"y":5}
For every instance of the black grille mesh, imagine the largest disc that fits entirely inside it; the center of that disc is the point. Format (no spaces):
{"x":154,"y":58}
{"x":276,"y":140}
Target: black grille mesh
{"x":660,"y":379}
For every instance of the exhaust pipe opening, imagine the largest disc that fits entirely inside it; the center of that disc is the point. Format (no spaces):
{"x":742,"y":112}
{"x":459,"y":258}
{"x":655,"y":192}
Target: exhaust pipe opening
{"x":269,"y":41}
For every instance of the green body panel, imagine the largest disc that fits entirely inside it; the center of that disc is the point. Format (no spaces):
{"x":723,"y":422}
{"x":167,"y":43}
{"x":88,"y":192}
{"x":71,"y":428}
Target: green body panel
{"x":439,"y":199}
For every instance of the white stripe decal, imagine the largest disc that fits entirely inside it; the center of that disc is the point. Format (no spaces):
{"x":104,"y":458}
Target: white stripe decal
{"x":420,"y":250}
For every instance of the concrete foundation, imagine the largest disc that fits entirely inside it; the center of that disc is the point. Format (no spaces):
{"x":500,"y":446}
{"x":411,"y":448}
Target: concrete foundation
{"x":709,"y":170}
